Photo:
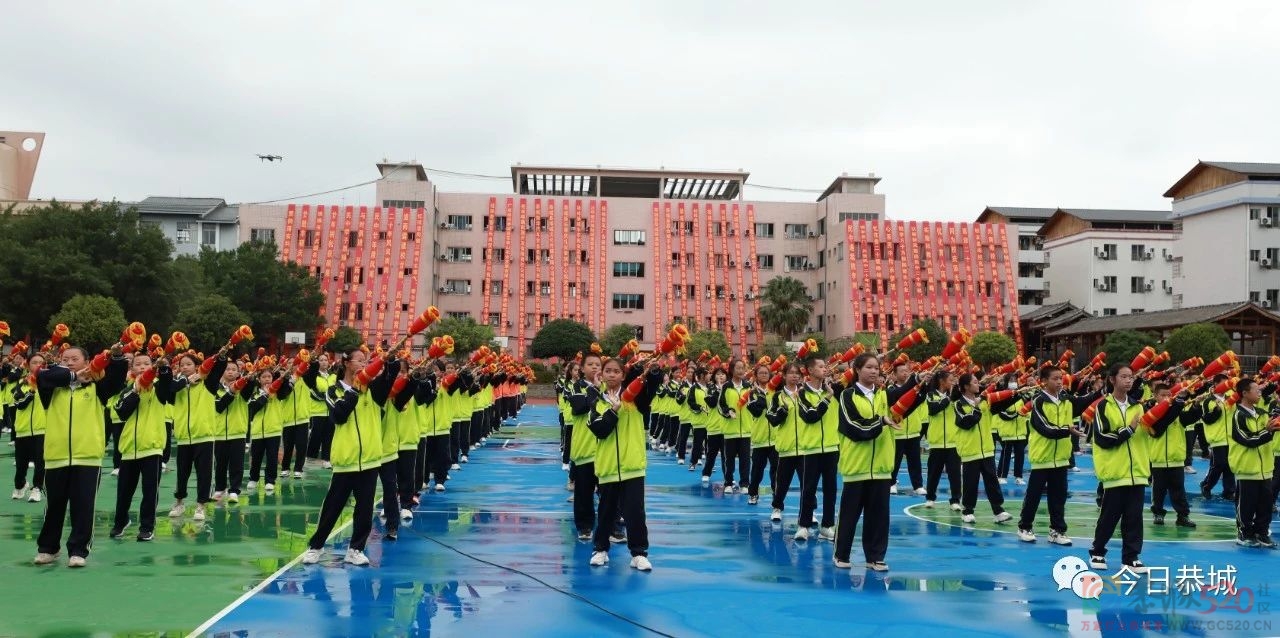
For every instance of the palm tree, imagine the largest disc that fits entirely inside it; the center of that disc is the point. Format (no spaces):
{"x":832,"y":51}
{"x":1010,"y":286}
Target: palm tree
{"x":785,"y":307}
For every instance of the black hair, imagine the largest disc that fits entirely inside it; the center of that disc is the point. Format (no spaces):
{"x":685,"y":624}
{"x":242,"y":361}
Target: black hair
{"x":617,"y":361}
{"x":1244,"y":385}
{"x":786,"y":369}
{"x":83,"y":352}
{"x":1045,"y":373}
{"x":1111,"y":375}
{"x":965,"y":379}
{"x":937,"y":379}
{"x":1220,"y":377}
{"x":1159,"y":385}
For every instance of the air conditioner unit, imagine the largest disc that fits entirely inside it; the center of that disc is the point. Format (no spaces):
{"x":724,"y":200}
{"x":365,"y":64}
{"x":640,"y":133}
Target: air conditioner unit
{"x":443,"y":225}
{"x":1168,"y":256}
{"x":733,"y":297}
{"x":1038,"y":243}
{"x":1101,"y":287}
{"x":1265,"y":222}
{"x":812,"y":234}
{"x":1149,"y":286}
{"x":444,"y":290}
{"x":444,"y":257}
{"x":732,"y":263}
{"x":1266,"y":303}
{"x":1151,"y":254}
{"x":732,"y":232}
{"x":1265,"y":262}
{"x":468,"y":226}
{"x":708,"y":294}
{"x":812,"y":298}
{"x":468,"y":289}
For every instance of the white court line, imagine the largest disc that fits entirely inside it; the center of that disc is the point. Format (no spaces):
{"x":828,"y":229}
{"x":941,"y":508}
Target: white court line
{"x":1012,"y":528}
{"x":208,"y":624}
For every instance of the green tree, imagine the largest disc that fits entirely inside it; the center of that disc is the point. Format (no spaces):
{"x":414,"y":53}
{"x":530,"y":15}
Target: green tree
{"x":276,"y":296}
{"x":345,"y":339}
{"x":992,"y":348}
{"x":616,"y":336}
{"x":53,"y":253}
{"x":712,"y":341}
{"x":209,"y":321}
{"x":839,"y":344}
{"x":95,"y":321}
{"x":771,"y":346}
{"x":1205,"y":340}
{"x":869,"y":340}
{"x":562,"y":338}
{"x":785,"y":307}
{"x":467,"y":335}
{"x":1122,"y":346}
{"x":937,"y":339}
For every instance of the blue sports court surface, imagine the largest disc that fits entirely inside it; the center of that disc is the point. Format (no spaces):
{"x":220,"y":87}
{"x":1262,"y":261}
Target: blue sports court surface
{"x":497,"y":556}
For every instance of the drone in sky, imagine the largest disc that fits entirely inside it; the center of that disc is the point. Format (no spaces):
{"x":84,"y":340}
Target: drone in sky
{"x":270,"y":158}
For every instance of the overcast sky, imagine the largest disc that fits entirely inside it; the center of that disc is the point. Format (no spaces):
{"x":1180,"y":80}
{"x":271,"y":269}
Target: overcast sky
{"x":956,"y":105}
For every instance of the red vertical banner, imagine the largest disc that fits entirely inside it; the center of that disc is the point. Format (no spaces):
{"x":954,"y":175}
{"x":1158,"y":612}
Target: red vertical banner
{"x":594,"y":292}
{"x":936,"y":274}
{"x":682,"y":263}
{"x":954,"y":274}
{"x":901,"y":279}
{"x":754,"y":258}
{"x":402,"y":263}
{"x":659,"y":231}
{"x":851,"y":275}
{"x":974,"y":281}
{"x":1011,"y":288}
{"x":741,"y":295}
{"x":286,"y":243}
{"x":522,"y":258}
{"x":580,"y":226}
{"x":329,"y":266}
{"x":917,"y":291}
{"x":557,"y":267}
{"x":486,"y":287}
{"x":358,"y":263}
{"x":418,"y":239}
{"x":538,"y":232}
{"x":603,"y":300}
{"x":395,"y":233}
{"x":879,"y":244}
{"x":509,"y":247}
{"x":986,"y":267}
{"x":725,"y":273}
{"x":304,"y":225}
{"x":865,"y":301}
{"x":698,"y":253}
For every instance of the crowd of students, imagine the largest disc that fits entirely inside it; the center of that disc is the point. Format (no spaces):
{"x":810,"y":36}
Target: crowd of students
{"x":405,"y":426}
{"x":850,"y":427}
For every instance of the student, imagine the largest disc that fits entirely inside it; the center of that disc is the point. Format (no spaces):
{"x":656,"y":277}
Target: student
{"x":715,"y":422}
{"x":1053,"y":414}
{"x":906,"y":437}
{"x":1215,"y":414}
{"x":737,"y":429}
{"x":436,"y":404}
{"x":320,"y":440}
{"x":141,"y":445}
{"x":621,"y":460}
{"x":408,"y":433}
{"x":1121,"y":458}
{"x":583,"y":395}
{"x":784,"y":417}
{"x":74,"y":398}
{"x":295,"y":416}
{"x":356,"y":454}
{"x":820,"y":449}
{"x":1252,"y":462}
{"x":231,"y":426}
{"x":1014,"y":427}
{"x":699,"y":413}
{"x":867,"y":453}
{"x":28,"y":429}
{"x":941,"y":432}
{"x":1168,"y":456}
{"x":272,"y":399}
{"x":976,"y":448}
{"x":562,"y":386}
{"x":388,"y":469}
{"x":193,"y":393}
{"x":460,"y":399}
{"x":762,"y":436}
{"x":681,"y":417}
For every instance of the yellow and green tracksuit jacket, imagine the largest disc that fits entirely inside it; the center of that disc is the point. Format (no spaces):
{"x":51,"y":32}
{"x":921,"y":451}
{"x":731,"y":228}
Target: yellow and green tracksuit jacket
{"x":1049,"y":443}
{"x":974,"y":425}
{"x":231,"y":422}
{"x":1168,"y":444}
{"x":28,"y":411}
{"x":821,"y":432}
{"x":75,"y":423}
{"x":143,"y":433}
{"x":1251,"y":455}
{"x":357,"y":424}
{"x":1121,"y":452}
{"x":621,"y":453}
{"x":867,"y":447}
{"x":942,"y":432}
{"x":784,"y":416}
{"x":267,"y":411}
{"x":193,"y":409}
{"x":762,"y":432}
{"x":737,"y":422}
{"x":1216,"y":416}
{"x":582,"y":399}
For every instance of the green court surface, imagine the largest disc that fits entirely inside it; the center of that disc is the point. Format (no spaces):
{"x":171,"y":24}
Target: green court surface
{"x":1081,"y":518}
{"x":163,"y":588}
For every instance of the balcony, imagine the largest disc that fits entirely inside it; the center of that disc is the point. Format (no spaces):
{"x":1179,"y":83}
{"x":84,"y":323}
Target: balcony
{"x":1031,"y":257}
{"x":1030,"y":283}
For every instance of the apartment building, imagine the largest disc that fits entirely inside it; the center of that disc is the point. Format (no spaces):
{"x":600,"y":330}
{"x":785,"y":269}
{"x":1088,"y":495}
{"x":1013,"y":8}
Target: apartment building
{"x":1109,"y":262}
{"x":1025,"y":242}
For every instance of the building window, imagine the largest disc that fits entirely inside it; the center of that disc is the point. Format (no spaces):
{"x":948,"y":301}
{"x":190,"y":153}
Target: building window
{"x":855,"y":216}
{"x":544,"y":288}
{"x":766,"y":262}
{"x":209,"y":236}
{"x":495,"y":318}
{"x":495,"y":288}
{"x":628,"y":238}
{"x":408,"y":272}
{"x":344,"y":311}
{"x":797,"y":262}
{"x":456,"y":287}
{"x":1108,"y":312}
{"x":403,"y":203}
{"x":1137,"y":284}
{"x":458,"y":222}
{"x":796,"y":231}
{"x":1273,"y":298}
{"x":627,"y":301}
{"x":353,"y":239}
{"x":1137,"y":311}
{"x":764,"y":230}
{"x":353,"y":275}
{"x":1110,"y":252}
{"x":573,"y":289}
{"x":359,"y":312}
{"x":1273,"y":213}
{"x":1255,"y":213}
{"x":458,"y":315}
{"x":308,"y":239}
{"x":411,"y":236}
{"x":458,"y":253}
{"x":499,"y":222}
{"x":1138,"y":252}
{"x":1254,"y":255}
{"x":267,"y":235}
{"x":183,"y":236}
{"x":628,"y":269}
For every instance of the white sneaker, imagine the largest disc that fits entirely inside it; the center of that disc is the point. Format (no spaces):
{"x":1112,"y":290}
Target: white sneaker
{"x":1019,"y":481}
{"x":251,"y":486}
{"x":464,"y":459}
{"x":311,"y":557}
{"x":326,"y":465}
{"x":199,"y":515}
{"x":641,"y":563}
{"x":455,"y":466}
{"x":284,"y":473}
{"x":728,"y":489}
{"x":1076,"y":469}
{"x":36,"y":495}
{"x":599,"y":559}
{"x":355,"y":557}
{"x":177,"y":510}
{"x":217,"y":496}
{"x":18,"y":495}
{"x":233,"y":497}
{"x":929,"y":504}
{"x":45,"y":559}
{"x":1137,"y":567}
{"x":679,"y":461}
{"x":270,"y":488}
{"x":1188,"y":469}
{"x":802,"y":534}
{"x":1097,"y":562}
{"x":1059,"y":539}
{"x":405,"y":515}
{"x":827,"y":534}
{"x":1003,"y":517}
{"x":115,"y":472}
{"x":956,"y":507}
{"x":776,"y":516}
{"x":76,"y":562}
{"x":1026,"y":536}
{"x":297,"y":475}
{"x":969,"y":518}
{"x":920,"y":491}
{"x":893,"y":489}
{"x":1002,"y":480}
{"x":841,"y":564}
{"x":564,"y":467}
{"x":439,"y":487}
{"x":706,"y":480}
{"x":164,"y":467}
